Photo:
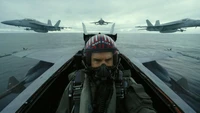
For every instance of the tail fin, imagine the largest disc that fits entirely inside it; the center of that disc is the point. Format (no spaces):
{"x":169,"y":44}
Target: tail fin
{"x":157,"y":23}
{"x":49,"y":22}
{"x":84,"y":28}
{"x":112,"y":29}
{"x":149,"y":23}
{"x":57,"y":24}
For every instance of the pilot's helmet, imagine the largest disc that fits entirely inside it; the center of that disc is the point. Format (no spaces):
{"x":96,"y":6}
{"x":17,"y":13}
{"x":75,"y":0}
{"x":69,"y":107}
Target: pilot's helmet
{"x":100,"y":43}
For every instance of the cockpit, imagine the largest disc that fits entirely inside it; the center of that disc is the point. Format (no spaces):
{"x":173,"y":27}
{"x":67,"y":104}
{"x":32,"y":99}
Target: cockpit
{"x":186,"y":19}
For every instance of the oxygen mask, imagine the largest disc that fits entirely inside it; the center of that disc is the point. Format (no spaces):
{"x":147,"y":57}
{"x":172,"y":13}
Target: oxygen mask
{"x":104,"y":72}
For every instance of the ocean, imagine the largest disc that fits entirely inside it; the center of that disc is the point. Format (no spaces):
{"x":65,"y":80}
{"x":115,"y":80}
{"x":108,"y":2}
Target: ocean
{"x":186,"y":65}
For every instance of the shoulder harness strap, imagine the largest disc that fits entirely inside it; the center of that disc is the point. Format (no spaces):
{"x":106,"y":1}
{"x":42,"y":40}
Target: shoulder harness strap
{"x":76,"y":88}
{"x":77,"y":85}
{"x":122,"y":83}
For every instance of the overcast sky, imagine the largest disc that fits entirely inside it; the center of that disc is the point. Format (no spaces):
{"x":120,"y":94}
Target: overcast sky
{"x":125,"y":13}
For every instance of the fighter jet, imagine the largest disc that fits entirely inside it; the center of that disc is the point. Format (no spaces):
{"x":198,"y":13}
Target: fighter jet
{"x":170,"y":27}
{"x":37,"y":26}
{"x":101,"y":22}
{"x":54,"y":78}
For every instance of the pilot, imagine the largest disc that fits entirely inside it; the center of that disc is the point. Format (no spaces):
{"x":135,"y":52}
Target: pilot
{"x":98,"y":88}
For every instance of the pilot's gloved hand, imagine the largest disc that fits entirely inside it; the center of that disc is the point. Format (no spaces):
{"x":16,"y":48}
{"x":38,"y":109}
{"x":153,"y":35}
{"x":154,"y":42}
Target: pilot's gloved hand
{"x":137,"y":100}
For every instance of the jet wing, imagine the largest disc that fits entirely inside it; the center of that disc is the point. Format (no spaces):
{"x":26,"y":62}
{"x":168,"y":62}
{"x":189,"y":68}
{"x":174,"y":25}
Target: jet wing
{"x":94,"y":22}
{"x":141,"y":26}
{"x":47,"y":55}
{"x":158,"y":56}
{"x":108,"y":22}
{"x":40,"y":24}
{"x":161,"y":26}
{"x":53,"y":55}
{"x":63,"y":27}
{"x":48,"y":26}
{"x":172,"y":23}
{"x":143,"y":56}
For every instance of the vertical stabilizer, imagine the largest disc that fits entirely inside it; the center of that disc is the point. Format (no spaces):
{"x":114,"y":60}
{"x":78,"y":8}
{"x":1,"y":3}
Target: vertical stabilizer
{"x":149,"y":23}
{"x":157,"y":23}
{"x":49,"y":22}
{"x":112,"y":29}
{"x":57,"y":24}
{"x":84,"y":28}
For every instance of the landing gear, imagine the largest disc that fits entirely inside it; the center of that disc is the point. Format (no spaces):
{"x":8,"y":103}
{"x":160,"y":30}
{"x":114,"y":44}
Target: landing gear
{"x":181,"y":30}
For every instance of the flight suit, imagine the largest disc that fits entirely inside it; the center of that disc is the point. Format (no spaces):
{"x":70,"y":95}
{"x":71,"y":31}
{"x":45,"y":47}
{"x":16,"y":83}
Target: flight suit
{"x":135,"y":101}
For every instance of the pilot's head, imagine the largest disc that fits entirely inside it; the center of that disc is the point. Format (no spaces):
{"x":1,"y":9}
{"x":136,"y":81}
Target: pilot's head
{"x":101,"y":53}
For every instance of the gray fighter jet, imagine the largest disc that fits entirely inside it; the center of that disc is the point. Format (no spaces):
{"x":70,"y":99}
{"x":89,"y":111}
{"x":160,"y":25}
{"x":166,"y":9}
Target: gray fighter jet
{"x":170,"y":27}
{"x":51,"y":75}
{"x":35,"y":25}
{"x":101,"y":22}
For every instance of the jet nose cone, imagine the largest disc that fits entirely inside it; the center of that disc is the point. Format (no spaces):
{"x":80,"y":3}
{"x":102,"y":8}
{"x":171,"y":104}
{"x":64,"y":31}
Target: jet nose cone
{"x":5,"y":22}
{"x":11,"y":22}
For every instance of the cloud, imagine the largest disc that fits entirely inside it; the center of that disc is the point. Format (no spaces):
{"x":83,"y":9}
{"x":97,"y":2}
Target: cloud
{"x":126,"y":14}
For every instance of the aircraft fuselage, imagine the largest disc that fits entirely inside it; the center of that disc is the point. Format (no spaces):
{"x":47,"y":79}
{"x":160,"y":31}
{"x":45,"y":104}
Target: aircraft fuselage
{"x":32,"y":25}
{"x":101,"y":22}
{"x":174,"y":26}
